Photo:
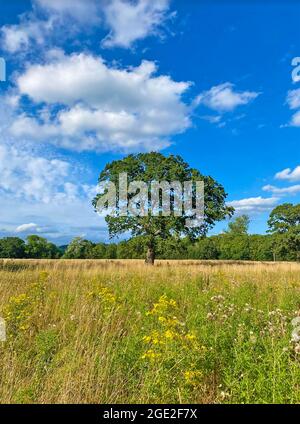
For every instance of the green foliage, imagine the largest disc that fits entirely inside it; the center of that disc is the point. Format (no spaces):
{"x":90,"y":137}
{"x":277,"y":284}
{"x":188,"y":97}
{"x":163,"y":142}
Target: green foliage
{"x":85,"y":249}
{"x":131,"y":249}
{"x":239,"y":226}
{"x":279,"y":247}
{"x":205,"y":248}
{"x":12,"y":247}
{"x":111,"y":251}
{"x":99,"y":251}
{"x":45,"y":347}
{"x":233,"y":247}
{"x":284,"y":218}
{"x":285,"y":222}
{"x":150,"y":167}
{"x":79,"y":249}
{"x":39,"y":248}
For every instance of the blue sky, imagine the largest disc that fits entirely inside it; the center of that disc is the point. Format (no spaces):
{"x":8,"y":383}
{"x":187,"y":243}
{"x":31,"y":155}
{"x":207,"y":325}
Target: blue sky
{"x":89,"y":81}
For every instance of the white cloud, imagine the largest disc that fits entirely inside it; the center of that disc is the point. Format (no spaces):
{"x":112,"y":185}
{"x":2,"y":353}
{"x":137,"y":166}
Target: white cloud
{"x":103,"y":108}
{"x":83,"y":77}
{"x":46,"y":20}
{"x":224,"y":98}
{"x":293,"y":99}
{"x":212,"y":119}
{"x":295,"y":120}
{"x":127,"y":21}
{"x":57,"y":221}
{"x":15,"y":38}
{"x":83,"y":11}
{"x":289,"y":174}
{"x":282,"y":191}
{"x":254,"y":204}
{"x":32,"y":177}
{"x":25,"y":228}
{"x":131,"y":21}
{"x":45,"y":196}
{"x":18,"y":38}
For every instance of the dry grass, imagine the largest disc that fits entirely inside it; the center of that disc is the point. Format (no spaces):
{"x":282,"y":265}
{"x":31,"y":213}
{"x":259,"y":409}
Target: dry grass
{"x":87,"y":332}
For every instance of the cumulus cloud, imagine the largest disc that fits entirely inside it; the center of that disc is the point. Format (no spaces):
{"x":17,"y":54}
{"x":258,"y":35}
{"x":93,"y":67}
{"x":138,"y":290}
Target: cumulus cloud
{"x":293,"y":99}
{"x":126,"y":21}
{"x":83,"y":11}
{"x":131,"y":21}
{"x":224,"y":97}
{"x":46,"y":197}
{"x":283,"y":191}
{"x":254,"y":204}
{"x":15,"y":38}
{"x":25,"y":228}
{"x":295,"y":120}
{"x":46,"y":20}
{"x":102,"y":107}
{"x":32,"y":177}
{"x":18,"y":38}
{"x":57,"y":221}
{"x":289,"y":174}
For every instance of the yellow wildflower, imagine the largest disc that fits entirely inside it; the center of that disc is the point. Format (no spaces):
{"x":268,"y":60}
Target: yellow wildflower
{"x":169,"y":334}
{"x":190,"y":336}
{"x":192,"y":377}
{"x":151,"y":355}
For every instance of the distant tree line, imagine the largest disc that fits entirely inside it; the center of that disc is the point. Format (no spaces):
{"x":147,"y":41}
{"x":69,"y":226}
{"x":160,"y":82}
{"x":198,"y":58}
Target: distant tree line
{"x":282,"y":243}
{"x":35,"y":247}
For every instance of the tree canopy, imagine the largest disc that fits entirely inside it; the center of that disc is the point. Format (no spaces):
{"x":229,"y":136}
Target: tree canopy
{"x":12,"y":247}
{"x":149,"y":167}
{"x":239,"y":226}
{"x":284,"y":222}
{"x":79,"y":249}
{"x":39,"y":248}
{"x":284,"y":218}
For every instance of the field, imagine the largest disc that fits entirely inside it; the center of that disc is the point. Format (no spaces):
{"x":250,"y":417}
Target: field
{"x":124,"y":332}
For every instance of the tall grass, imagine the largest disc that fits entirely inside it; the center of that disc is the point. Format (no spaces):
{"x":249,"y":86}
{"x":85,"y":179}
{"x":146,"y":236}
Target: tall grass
{"x":122,"y":332}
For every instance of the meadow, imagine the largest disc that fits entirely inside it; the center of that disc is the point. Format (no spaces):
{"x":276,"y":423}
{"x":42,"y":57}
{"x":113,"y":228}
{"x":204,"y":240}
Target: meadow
{"x":122,"y":332}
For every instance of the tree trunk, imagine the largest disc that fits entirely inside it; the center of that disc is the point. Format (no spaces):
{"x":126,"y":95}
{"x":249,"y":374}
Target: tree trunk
{"x":150,"y":256}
